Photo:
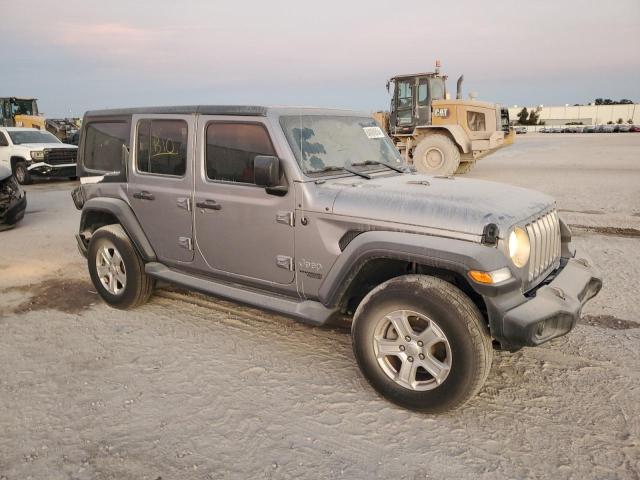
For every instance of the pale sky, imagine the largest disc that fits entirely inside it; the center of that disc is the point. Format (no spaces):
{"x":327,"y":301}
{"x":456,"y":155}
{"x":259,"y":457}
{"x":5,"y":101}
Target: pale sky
{"x":84,"y":54}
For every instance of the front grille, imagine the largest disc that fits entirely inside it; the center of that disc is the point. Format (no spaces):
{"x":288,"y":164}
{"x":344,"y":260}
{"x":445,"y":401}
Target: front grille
{"x":60,"y":156}
{"x":544,"y":235}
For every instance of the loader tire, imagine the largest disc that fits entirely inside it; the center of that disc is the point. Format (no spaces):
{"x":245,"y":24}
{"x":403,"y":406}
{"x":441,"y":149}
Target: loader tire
{"x":436,"y":155}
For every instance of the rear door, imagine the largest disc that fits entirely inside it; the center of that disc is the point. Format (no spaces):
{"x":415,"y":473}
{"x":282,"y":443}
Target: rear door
{"x":240,"y":228}
{"x":161,"y":182}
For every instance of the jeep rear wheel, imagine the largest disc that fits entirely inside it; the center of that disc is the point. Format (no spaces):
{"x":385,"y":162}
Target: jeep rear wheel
{"x":116,"y":269}
{"x":21,"y":172}
{"x":422,"y":343}
{"x":436,"y":155}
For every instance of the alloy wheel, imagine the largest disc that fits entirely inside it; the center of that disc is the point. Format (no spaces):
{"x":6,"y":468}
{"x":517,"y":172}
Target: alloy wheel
{"x":412,"y":350}
{"x":110,"y":268}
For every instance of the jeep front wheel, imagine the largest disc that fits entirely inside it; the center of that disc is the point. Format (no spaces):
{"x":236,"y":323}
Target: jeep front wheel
{"x":116,"y":269}
{"x":421,"y":343}
{"x":436,"y":155}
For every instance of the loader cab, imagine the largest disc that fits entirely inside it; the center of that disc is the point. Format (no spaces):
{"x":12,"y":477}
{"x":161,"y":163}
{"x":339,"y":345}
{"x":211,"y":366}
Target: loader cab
{"x":12,"y":107}
{"x":412,"y":98}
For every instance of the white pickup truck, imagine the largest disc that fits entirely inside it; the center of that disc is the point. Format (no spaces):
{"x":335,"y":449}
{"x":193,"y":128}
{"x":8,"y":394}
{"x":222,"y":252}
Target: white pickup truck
{"x":31,"y":152}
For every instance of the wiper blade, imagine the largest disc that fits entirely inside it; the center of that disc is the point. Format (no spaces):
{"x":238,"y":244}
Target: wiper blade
{"x":333,"y":168}
{"x":376,"y":162}
{"x":355,"y":172}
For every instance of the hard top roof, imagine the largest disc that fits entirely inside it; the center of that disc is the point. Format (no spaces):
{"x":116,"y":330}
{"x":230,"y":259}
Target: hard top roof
{"x":236,"y":110}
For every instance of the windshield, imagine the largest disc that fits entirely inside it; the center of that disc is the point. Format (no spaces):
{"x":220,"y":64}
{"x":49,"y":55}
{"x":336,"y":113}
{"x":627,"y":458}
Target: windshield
{"x":23,"y":107}
{"x":322,"y":143}
{"x":32,"y":136}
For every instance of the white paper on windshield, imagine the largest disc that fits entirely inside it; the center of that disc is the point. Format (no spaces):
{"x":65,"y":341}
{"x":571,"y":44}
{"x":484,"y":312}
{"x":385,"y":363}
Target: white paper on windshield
{"x":373,"y":132}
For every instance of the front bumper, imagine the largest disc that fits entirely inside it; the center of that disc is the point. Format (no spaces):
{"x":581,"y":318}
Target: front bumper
{"x":550,"y":311}
{"x":43,"y":169}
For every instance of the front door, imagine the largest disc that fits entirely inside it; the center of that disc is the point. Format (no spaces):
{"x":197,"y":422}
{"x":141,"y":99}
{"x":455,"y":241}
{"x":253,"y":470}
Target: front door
{"x":404,"y":102}
{"x":161,"y":182}
{"x":240,"y":229}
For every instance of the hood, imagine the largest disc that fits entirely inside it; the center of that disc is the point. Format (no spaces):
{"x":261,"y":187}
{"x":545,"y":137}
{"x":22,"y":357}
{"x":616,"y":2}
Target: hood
{"x":42,"y":146}
{"x":448,"y":203}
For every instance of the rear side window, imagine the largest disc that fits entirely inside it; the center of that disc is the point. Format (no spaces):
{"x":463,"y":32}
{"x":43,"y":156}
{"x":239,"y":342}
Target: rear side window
{"x":103,"y":145}
{"x":162,"y":147}
{"x":231,"y":149}
{"x":475,"y":121}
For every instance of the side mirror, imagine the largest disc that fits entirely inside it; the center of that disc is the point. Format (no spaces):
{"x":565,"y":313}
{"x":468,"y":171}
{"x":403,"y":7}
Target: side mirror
{"x":125,"y":154}
{"x":266,"y":171}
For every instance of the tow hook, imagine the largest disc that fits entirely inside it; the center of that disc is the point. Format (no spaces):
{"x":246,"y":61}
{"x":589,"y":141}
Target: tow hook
{"x":558,"y":291}
{"x":583,"y":261}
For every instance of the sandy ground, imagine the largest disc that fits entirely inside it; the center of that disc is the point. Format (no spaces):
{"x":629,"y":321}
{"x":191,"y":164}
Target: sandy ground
{"x":188,"y":387}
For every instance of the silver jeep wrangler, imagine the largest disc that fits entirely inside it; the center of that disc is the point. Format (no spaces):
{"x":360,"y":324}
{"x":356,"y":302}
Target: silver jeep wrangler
{"x":311,"y":213}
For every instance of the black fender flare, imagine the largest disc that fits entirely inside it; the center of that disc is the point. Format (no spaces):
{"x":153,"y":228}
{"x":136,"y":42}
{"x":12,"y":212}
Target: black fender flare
{"x":123,"y":212}
{"x":454,"y":255}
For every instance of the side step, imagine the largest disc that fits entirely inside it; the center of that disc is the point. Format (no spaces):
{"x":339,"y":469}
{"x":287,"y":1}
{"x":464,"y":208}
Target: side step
{"x":306,"y":311}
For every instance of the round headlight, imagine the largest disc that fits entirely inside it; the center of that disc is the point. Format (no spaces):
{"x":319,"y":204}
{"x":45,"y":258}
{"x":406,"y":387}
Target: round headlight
{"x":519,"y":247}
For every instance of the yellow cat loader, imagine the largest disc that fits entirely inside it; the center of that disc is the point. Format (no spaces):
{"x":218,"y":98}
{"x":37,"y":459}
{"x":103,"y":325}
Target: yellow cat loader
{"x":437,"y":135}
{"x":23,"y":112}
{"x":20,"y":112}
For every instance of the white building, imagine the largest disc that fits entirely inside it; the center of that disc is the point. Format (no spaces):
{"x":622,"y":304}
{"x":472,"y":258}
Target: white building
{"x":587,"y":114}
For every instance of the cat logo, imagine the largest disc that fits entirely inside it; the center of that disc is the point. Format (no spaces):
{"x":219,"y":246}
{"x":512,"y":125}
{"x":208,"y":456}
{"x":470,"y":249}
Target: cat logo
{"x":441,"y":112}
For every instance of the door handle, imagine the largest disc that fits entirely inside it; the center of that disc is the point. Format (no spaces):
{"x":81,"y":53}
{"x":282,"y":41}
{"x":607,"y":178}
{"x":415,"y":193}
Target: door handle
{"x":210,"y":204}
{"x":144,"y":195}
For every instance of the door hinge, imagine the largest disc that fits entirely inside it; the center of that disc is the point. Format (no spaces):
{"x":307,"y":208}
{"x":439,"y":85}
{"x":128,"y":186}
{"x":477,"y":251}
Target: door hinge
{"x":282,"y":261}
{"x":285,"y":218}
{"x":184,"y":202}
{"x":185,"y":242}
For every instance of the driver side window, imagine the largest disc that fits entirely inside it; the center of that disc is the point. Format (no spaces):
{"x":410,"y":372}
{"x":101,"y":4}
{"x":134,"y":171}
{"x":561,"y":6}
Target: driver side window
{"x":231,"y":149}
{"x":3,"y":140}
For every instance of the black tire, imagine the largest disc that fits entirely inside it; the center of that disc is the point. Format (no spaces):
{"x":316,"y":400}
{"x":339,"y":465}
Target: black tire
{"x":138,"y":285}
{"x":457,"y":318}
{"x":21,"y":172}
{"x":436,"y":155}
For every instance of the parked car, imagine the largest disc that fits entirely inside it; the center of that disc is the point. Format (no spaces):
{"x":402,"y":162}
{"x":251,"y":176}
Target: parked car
{"x":543,"y":130}
{"x":311,"y":213}
{"x":520,"y":129}
{"x":13,"y":200}
{"x":608,"y":128}
{"x":624,"y":128}
{"x":30,"y":152}
{"x":589,"y":129}
{"x":635,"y":128}
{"x":556,"y":130}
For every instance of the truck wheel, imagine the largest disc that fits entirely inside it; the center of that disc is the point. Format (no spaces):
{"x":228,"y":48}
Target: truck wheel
{"x":421,"y":343}
{"x":116,"y":269}
{"x":436,"y":155}
{"x":465,"y":167}
{"x":21,"y":172}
